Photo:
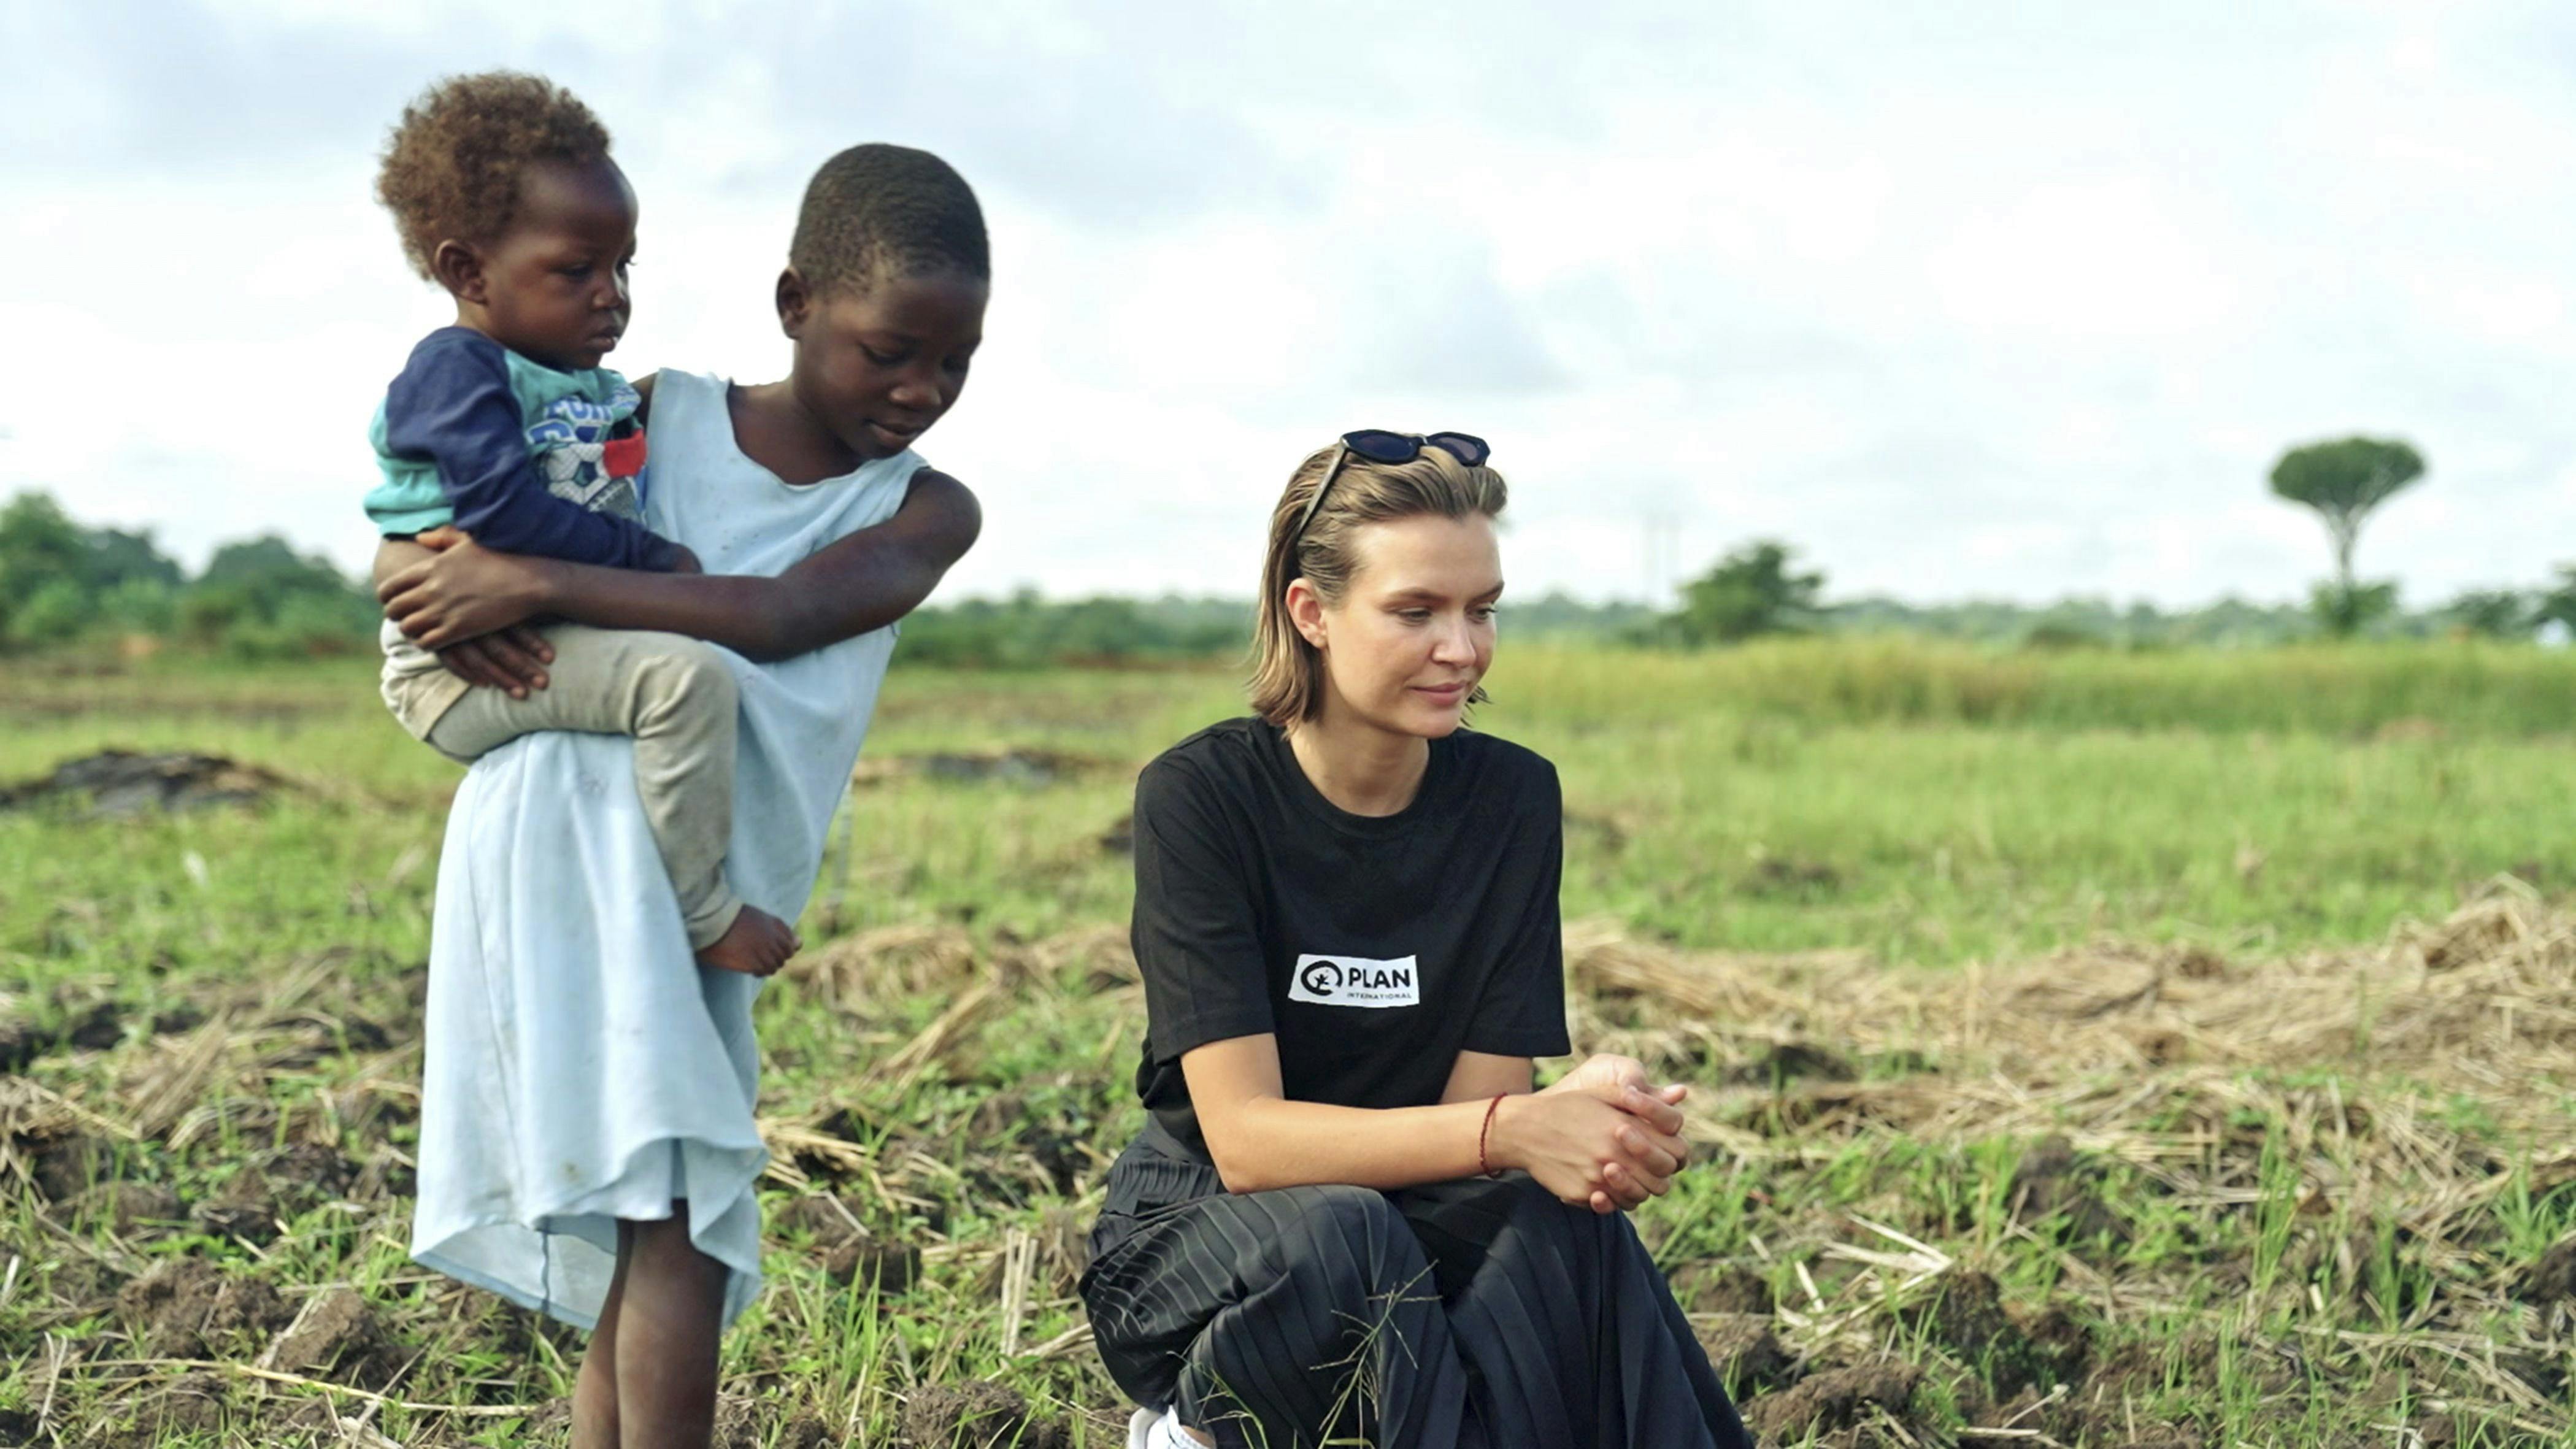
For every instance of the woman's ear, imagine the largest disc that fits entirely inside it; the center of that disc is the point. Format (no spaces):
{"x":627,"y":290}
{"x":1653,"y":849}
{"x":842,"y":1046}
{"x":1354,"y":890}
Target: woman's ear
{"x":795,"y":301}
{"x":1306,"y":611}
{"x":459,"y":268}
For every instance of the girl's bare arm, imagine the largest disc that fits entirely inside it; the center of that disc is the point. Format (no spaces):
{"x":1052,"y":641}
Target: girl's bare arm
{"x":860,"y":583}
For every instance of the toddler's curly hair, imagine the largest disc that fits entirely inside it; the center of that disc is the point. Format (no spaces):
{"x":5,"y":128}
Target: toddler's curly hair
{"x":452,"y":163}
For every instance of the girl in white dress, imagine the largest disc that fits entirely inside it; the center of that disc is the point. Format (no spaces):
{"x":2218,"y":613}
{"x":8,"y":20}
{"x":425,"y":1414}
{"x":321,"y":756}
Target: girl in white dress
{"x":588,"y":1145}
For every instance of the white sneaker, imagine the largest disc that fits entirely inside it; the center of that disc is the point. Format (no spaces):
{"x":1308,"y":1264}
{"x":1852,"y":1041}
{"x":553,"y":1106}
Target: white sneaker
{"x":1149,"y":1430}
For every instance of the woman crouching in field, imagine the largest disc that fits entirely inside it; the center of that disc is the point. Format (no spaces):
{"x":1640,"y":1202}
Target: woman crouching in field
{"x":1348,"y":1216}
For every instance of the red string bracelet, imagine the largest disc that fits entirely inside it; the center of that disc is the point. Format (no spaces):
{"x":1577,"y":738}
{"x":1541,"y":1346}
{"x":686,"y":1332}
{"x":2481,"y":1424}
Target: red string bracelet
{"x":1482,"y":1133}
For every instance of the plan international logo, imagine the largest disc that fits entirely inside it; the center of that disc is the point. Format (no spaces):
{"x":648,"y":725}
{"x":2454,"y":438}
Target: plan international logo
{"x":1354,"y":981}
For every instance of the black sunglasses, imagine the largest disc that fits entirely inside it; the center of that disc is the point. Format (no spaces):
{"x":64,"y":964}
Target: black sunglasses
{"x":1380,"y":446}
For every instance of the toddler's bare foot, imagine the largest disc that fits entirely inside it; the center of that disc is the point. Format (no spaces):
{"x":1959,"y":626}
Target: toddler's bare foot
{"x":756,"y":944}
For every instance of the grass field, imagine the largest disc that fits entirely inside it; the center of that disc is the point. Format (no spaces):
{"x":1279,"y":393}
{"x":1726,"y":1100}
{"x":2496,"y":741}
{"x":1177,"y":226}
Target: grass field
{"x":2083,"y":1054}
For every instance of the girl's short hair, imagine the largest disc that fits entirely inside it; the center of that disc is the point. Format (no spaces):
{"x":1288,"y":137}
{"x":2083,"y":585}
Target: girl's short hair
{"x":877,"y":210}
{"x":1287,"y":683}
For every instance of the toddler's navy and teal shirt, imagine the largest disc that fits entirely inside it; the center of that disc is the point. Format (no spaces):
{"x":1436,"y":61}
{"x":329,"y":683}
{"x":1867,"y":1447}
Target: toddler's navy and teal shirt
{"x":525,"y":457}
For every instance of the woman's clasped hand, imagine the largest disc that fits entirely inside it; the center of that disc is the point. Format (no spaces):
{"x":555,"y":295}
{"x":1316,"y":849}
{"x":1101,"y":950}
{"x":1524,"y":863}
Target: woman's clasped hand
{"x":1603,"y":1135}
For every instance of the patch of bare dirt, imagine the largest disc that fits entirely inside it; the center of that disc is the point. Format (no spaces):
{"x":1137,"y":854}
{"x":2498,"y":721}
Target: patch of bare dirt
{"x":1776,"y":875}
{"x":977,"y":1415}
{"x":746,"y":1423}
{"x":121,"y":784}
{"x":189,"y":1308}
{"x":338,"y":1336}
{"x":93,"y":1027}
{"x":2054,"y":1181}
{"x":1723,"y":1288}
{"x":1023,"y":767}
{"x":1835,"y":1399}
{"x":851,"y":1254}
{"x":1745,"y":1352}
{"x":63,"y":1165}
{"x":2012,"y":1352}
{"x":197,"y":1404}
{"x":2552,"y":1278}
{"x":1787,"y":1061}
{"x":132,"y":1209}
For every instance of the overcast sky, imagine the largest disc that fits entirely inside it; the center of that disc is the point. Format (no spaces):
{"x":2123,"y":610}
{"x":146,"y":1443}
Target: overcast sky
{"x":2002,"y":300}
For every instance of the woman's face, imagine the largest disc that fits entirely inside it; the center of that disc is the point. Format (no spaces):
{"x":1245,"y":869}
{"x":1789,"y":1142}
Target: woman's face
{"x":1414,"y":632}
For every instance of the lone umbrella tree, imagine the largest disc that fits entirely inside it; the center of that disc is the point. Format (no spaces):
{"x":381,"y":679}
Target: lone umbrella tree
{"x":2343,"y":481}
{"x":1750,"y":591}
{"x":2558,"y":604}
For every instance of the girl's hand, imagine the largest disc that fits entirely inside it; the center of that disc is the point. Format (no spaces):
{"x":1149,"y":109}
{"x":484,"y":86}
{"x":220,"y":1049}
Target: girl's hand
{"x":513,"y":660}
{"x":1588,"y":1151}
{"x":465,"y":592}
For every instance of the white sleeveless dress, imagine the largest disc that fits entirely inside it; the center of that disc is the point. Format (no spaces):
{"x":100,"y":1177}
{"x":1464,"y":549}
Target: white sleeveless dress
{"x":579,"y":1066}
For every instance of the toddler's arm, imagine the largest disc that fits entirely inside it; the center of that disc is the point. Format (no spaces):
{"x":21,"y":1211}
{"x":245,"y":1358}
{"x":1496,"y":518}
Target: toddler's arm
{"x":453,"y":406}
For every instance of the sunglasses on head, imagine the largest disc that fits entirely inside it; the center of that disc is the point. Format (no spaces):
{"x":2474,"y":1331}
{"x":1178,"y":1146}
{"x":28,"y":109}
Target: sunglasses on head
{"x":1380,"y":446}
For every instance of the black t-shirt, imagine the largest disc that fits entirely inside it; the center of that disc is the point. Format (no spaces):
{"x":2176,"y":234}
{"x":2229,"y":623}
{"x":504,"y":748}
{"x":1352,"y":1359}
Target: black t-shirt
{"x":1375,"y":948}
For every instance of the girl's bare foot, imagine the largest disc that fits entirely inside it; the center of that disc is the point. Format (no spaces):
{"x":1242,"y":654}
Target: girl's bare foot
{"x":756,"y":944}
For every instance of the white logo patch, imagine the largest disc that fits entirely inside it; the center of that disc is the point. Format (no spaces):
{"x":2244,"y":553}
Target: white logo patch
{"x":1355,"y":981}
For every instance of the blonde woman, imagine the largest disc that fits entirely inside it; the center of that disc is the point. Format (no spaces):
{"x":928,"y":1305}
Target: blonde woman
{"x":1349,"y":1217}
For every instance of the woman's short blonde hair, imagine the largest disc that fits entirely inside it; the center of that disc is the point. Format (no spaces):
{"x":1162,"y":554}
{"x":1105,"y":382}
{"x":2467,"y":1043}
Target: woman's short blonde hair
{"x":1287,"y":683}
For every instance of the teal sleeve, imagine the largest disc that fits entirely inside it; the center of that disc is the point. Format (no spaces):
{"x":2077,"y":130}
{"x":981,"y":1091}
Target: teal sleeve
{"x":407,"y":498}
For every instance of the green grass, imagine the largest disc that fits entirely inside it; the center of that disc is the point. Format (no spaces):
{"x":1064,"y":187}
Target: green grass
{"x":1929,"y":806}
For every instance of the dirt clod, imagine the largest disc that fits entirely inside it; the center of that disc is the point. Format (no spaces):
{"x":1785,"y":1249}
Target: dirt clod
{"x":1782,"y":876}
{"x":2140,"y":1370}
{"x":188,"y":1308}
{"x":132,"y":1208}
{"x":2436,"y":1431}
{"x":2053,"y":1179}
{"x":2199,"y":963}
{"x":96,"y":1029}
{"x":21,"y":1043}
{"x":1729,"y":1288}
{"x":976,"y":1415}
{"x":242,"y":1213}
{"x":301,"y":1174}
{"x":827,"y":1220}
{"x":1966,"y":1317}
{"x":863,"y":1261}
{"x":93,"y":1028}
{"x":182,"y":1017}
{"x":1965,"y":1313}
{"x":1789,"y":1060}
{"x":336,"y":1331}
{"x":1834,"y":1399}
{"x":2550,"y":1279}
{"x":851,"y":1254}
{"x":2059,"y":1346}
{"x":1024,"y":767}
{"x":119,"y":784}
{"x":751,"y":1423}
{"x":1745,"y":1352}
{"x":65,"y":1167}
{"x":191,"y":1404}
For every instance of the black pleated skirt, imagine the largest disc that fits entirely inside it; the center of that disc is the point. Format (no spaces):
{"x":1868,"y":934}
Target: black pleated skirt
{"x":1482,"y":1313}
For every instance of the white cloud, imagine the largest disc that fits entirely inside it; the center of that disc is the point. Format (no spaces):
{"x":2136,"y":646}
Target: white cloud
{"x":2014,"y":303}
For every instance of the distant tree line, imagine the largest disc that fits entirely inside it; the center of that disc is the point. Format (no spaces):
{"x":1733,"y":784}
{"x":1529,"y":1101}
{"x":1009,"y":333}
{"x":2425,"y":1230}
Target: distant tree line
{"x":1754,"y":590}
{"x":66,"y":584}
{"x":62,"y":583}
{"x":1757,"y":590}
{"x":1027,"y":631}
